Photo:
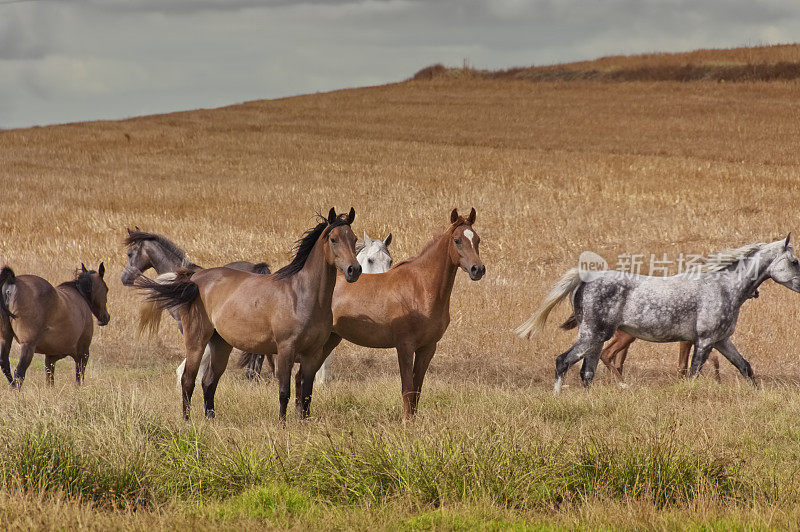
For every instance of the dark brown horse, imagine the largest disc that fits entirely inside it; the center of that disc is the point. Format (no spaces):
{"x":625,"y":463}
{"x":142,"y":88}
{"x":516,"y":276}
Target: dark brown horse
{"x":53,"y":321}
{"x":288,"y":313}
{"x":408,"y":307}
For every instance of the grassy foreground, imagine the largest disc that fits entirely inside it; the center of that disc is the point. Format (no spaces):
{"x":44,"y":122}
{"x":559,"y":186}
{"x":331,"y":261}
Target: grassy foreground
{"x":553,"y":169}
{"x":118,"y":455}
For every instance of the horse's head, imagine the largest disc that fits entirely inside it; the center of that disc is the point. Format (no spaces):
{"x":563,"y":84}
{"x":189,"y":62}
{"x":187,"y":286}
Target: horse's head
{"x":785,"y":268}
{"x":91,"y":284}
{"x":340,"y":248}
{"x":464,"y":245}
{"x":138,"y":259}
{"x":373,"y":255}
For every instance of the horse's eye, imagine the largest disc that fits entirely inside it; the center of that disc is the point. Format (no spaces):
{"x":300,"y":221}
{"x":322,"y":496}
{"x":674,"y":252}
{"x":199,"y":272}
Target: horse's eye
{"x":458,"y":241}
{"x":370,"y":261}
{"x":333,"y":240}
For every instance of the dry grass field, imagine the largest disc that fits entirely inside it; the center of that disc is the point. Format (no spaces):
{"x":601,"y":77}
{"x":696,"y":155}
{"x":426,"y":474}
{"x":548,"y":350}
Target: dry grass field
{"x":553,"y":169}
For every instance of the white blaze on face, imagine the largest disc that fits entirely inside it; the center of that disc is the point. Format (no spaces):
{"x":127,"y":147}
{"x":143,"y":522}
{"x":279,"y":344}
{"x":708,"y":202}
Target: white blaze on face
{"x":469,"y":234}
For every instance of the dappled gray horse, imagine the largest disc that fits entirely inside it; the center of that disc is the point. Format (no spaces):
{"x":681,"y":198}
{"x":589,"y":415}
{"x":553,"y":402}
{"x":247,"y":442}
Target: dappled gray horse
{"x":374,"y":257}
{"x":700,"y":306}
{"x":151,"y":250}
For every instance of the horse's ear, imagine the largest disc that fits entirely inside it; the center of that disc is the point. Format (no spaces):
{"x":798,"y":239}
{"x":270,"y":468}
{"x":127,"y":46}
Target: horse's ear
{"x":128,"y":229}
{"x":136,"y":227}
{"x":351,"y":216}
{"x":388,"y":240}
{"x":786,"y":244}
{"x":331,"y":215}
{"x":454,"y":216}
{"x":101,"y":271}
{"x":83,"y":268}
{"x":471,"y":218}
{"x":366,"y":238}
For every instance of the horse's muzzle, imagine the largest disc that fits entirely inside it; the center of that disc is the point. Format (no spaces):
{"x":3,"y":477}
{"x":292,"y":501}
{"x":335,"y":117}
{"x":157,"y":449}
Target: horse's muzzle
{"x":477,"y":271}
{"x":104,"y":321}
{"x":352,"y":273}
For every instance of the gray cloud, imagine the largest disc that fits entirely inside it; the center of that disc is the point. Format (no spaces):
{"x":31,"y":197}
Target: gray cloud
{"x":79,"y":60}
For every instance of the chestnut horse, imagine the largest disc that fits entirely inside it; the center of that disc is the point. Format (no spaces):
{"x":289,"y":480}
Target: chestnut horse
{"x":288,"y":313}
{"x":53,"y":321}
{"x":408,"y":307}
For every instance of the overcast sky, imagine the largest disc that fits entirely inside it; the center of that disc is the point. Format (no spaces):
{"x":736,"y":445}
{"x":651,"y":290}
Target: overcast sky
{"x":74,"y":60}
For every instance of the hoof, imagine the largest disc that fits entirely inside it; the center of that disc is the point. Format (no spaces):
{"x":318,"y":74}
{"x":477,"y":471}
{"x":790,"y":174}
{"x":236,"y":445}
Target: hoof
{"x":623,"y":385}
{"x":210,"y":414}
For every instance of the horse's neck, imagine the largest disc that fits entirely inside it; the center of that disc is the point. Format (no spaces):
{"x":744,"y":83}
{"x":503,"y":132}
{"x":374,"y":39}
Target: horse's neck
{"x":165,"y":262}
{"x":753,"y":272}
{"x":315,"y":282}
{"x":438,"y":271}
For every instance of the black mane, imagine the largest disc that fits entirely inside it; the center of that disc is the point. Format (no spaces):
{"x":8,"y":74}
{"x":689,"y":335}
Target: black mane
{"x":305,"y":244}
{"x":82,"y":283}
{"x":136,"y":237}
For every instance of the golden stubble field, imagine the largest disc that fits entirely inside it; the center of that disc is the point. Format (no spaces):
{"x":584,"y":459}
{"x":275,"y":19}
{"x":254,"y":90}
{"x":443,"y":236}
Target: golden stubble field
{"x":552,"y":169}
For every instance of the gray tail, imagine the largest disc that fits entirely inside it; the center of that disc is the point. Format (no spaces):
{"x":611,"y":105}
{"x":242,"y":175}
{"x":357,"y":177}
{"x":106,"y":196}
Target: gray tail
{"x":6,"y":277}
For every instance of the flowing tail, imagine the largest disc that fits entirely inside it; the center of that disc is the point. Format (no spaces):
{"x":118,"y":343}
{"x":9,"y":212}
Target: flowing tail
{"x":6,"y":277}
{"x":167,"y":291}
{"x":565,"y":286}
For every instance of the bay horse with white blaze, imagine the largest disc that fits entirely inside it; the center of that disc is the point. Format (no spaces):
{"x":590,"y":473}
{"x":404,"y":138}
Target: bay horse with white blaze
{"x":408,"y":307}
{"x":288,"y":312}
{"x":53,"y":321}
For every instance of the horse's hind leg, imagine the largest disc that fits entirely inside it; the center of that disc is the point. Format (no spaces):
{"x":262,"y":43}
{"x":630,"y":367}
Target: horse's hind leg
{"x":219,"y":353}
{"x":614,"y":353}
{"x":699,"y":357}
{"x":730,"y":352}
{"x":197,"y":333}
{"x":50,"y":370}
{"x":683,"y":358}
{"x":25,"y":358}
{"x":588,"y":347}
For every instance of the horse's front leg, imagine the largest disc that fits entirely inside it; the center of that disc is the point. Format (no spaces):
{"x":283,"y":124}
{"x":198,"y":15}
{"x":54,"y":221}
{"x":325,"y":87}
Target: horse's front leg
{"x":405,"y":359}
{"x":614,"y":353}
{"x":6,"y":337}
{"x":25,"y":358}
{"x":283,"y":371}
{"x":80,"y":366}
{"x":50,"y":370}
{"x":308,"y":369}
{"x":730,"y":352}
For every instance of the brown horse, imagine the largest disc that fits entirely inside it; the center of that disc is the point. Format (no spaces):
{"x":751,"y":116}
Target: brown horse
{"x":53,"y":321}
{"x":616,"y":350}
{"x":288,"y":312}
{"x":408,"y":307}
